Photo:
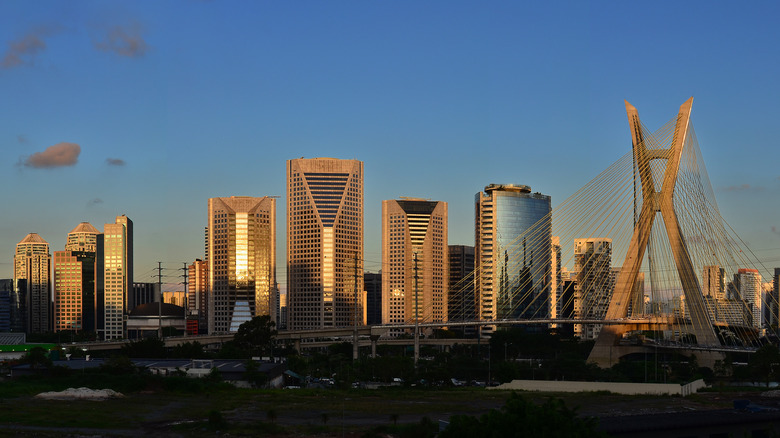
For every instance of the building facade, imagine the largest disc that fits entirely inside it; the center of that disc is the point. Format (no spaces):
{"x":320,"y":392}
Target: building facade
{"x":372,"y":284}
{"x":415,"y":275}
{"x":324,"y":242}
{"x":78,"y":280}
{"x":462,"y":303}
{"x":198,"y":299}
{"x":32,"y":282}
{"x":513,"y":253}
{"x":749,"y":287}
{"x":594,"y":285}
{"x":241,"y":256}
{"x":117,"y":278}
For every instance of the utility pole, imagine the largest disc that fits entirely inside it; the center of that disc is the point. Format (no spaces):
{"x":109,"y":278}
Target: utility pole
{"x":416,"y":316}
{"x":159,"y":307}
{"x":355,"y":330}
{"x":186,"y":303}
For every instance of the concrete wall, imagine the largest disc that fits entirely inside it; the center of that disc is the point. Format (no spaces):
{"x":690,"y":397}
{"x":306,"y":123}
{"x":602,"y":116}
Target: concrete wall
{"x":614,"y":387}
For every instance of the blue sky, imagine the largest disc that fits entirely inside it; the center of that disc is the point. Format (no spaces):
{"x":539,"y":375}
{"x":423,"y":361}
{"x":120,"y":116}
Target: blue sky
{"x":173,"y":102}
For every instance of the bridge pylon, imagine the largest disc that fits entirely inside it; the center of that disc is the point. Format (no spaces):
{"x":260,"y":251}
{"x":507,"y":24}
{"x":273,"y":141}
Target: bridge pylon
{"x":654,"y":202}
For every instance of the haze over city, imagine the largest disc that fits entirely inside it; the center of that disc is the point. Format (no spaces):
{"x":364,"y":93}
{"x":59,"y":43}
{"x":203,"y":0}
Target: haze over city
{"x":148,"y":109}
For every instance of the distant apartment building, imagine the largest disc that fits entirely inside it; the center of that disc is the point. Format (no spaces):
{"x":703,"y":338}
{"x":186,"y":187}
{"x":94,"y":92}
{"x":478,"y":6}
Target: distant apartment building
{"x":513,"y":253}
{"x":117,"y":277}
{"x":594,"y":283}
{"x":324,"y":243}
{"x":32,"y":283}
{"x":198,"y":300}
{"x":749,"y":287}
{"x":714,"y":282}
{"x":241,"y":256}
{"x":414,"y":260}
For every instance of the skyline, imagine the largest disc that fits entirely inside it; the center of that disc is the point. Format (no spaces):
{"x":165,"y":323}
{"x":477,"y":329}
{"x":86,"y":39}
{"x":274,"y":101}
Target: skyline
{"x":158,"y":107}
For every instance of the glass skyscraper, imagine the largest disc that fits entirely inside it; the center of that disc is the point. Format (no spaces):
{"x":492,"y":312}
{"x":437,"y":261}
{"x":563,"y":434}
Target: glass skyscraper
{"x":513,"y":253}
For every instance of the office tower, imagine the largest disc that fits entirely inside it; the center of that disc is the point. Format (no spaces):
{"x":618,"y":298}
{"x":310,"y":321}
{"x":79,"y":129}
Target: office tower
{"x":198,"y":298}
{"x":513,"y":251}
{"x":372,"y":284}
{"x":414,"y":259}
{"x":241,"y":261}
{"x":32,"y":279}
{"x":117,"y":278}
{"x":6,"y":305}
{"x":144,"y":293}
{"x":595,"y":283}
{"x":748,"y":286}
{"x":714,"y":282}
{"x":324,"y":242}
{"x":462,"y":303}
{"x":282,"y":322}
{"x":78,"y":280}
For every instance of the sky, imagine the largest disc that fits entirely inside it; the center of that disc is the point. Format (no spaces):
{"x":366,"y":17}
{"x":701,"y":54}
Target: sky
{"x":149,"y":108}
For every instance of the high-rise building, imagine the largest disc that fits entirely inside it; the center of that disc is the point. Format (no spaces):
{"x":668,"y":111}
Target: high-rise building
{"x":462,"y":303}
{"x":513,"y":253}
{"x":78,"y":280}
{"x":32,"y":280}
{"x":198,"y":299}
{"x":414,"y":259}
{"x":6,"y":305}
{"x":748,"y":284}
{"x":555,"y":278}
{"x":773,"y":302}
{"x":595,"y":283}
{"x":241,"y":261}
{"x":372,"y":283}
{"x":324,"y":242}
{"x":117,"y":278}
{"x":144,"y":293}
{"x":714,"y":282}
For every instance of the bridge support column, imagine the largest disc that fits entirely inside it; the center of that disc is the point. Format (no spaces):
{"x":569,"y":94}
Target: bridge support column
{"x":374,"y":339}
{"x":297,"y":345}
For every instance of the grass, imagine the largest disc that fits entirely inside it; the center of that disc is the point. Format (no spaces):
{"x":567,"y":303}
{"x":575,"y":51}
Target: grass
{"x":185,"y":406}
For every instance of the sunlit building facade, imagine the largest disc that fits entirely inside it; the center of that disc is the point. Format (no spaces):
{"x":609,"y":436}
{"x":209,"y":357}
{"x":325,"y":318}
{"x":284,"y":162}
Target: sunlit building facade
{"x":324,"y":243}
{"x":414,"y":259}
{"x":32,"y":283}
{"x":78,"y":280}
{"x":117,"y":277}
{"x":594,"y":285}
{"x":198,"y":299}
{"x":513,"y":253}
{"x":241,"y":256}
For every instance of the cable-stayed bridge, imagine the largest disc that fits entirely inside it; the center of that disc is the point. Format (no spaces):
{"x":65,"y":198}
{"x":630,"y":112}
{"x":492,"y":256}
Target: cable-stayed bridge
{"x":642,"y":241}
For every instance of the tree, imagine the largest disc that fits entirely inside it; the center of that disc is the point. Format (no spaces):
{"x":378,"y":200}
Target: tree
{"x":257,"y":335}
{"x":522,"y":418}
{"x":764,"y":363}
{"x":37,"y":358}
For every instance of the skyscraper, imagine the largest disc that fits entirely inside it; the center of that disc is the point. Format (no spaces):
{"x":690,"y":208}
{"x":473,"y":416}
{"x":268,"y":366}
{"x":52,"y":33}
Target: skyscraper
{"x":462,"y":303}
{"x":198,"y":304}
{"x":324,"y":242}
{"x":595,"y":283}
{"x":414,"y":260}
{"x":241,"y":256}
{"x":513,"y":252}
{"x":117,"y":277}
{"x":748,"y":284}
{"x":32,"y":280}
{"x":78,"y":280}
